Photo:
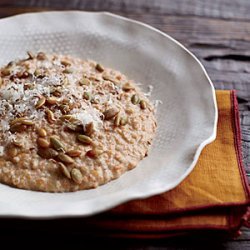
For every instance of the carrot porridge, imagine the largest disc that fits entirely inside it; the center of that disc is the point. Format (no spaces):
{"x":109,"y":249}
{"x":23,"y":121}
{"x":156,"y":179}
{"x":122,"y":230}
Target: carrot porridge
{"x":68,"y":124}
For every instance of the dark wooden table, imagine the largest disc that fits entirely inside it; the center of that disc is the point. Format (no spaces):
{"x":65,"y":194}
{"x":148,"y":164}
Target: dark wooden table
{"x":216,"y":31}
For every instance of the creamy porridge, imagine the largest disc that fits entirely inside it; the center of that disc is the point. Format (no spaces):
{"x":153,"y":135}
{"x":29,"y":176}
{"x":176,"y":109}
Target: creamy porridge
{"x":68,"y":124}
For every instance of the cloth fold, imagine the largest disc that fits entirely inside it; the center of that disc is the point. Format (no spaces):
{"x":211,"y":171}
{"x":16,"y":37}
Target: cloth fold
{"x":215,"y":196}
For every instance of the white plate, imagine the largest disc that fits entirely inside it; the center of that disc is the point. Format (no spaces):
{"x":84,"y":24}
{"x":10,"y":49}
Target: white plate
{"x":186,"y":119}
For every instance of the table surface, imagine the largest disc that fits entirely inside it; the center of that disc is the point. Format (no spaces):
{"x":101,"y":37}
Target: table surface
{"x":216,"y":31}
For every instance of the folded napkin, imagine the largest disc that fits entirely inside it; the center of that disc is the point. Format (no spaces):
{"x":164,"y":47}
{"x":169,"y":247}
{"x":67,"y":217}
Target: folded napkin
{"x":214,"y":196}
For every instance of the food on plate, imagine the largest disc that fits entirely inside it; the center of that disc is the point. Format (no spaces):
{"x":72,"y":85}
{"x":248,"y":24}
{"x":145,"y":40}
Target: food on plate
{"x":67,"y":124}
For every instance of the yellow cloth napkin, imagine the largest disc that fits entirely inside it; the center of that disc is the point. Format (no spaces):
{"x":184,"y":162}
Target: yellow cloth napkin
{"x":214,"y":196}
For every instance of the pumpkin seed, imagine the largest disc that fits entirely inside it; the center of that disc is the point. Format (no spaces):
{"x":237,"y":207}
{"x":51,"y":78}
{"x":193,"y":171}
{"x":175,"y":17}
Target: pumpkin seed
{"x":64,"y":170}
{"x":52,"y":100}
{"x":75,"y":127}
{"x":86,"y":95}
{"x":84,"y":81}
{"x":127,"y":86}
{"x":143,"y":104}
{"x":68,"y":71}
{"x":18,"y":120}
{"x":73,"y":153}
{"x":40,"y":102}
{"x":117,"y":120}
{"x":89,"y":129}
{"x":42,"y":143}
{"x":110,"y":113}
{"x":31,"y":55}
{"x":99,"y":67}
{"x":47,"y":153}
{"x":67,"y":117}
{"x":50,"y":116}
{"x":76,"y":175}
{"x":27,"y":122}
{"x":39,"y":73}
{"x":41,"y":132}
{"x":5,"y":72}
{"x":1,"y":81}
{"x":123,"y":121}
{"x":41,"y":56}
{"x":135,"y":99}
{"x":65,"y":158}
{"x":65,"y":63}
{"x":56,"y":143}
{"x":84,"y":139}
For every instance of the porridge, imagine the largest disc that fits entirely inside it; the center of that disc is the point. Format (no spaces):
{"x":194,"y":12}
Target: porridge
{"x":68,"y":124}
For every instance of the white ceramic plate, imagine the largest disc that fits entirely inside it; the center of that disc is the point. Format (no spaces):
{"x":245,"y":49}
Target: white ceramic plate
{"x":186,"y":119}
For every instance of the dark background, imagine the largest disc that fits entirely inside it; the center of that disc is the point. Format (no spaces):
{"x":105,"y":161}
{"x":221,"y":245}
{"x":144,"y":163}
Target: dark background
{"x":218,"y":33}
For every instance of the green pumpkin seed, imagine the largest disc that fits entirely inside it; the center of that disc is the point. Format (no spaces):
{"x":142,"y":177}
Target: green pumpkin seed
{"x":40,"y":102}
{"x":56,"y":143}
{"x":76,"y":175}
{"x":143,"y":104}
{"x":99,"y":67}
{"x":84,"y":139}
{"x":64,"y":170}
{"x":65,"y":158}
{"x":135,"y":99}
{"x":86,"y":95}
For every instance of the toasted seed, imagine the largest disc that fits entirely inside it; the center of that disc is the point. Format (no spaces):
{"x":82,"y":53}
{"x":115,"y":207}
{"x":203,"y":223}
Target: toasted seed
{"x":117,"y":120}
{"x":31,"y":55}
{"x":41,"y":56}
{"x":56,"y":143}
{"x":84,"y":81}
{"x":39,"y":73}
{"x":124,"y":120}
{"x":89,"y":129}
{"x":64,"y":108}
{"x":84,"y":139}
{"x":67,"y":117}
{"x":86,"y":95}
{"x":110,"y":113}
{"x":27,"y":122}
{"x":65,"y":63}
{"x":42,"y":132}
{"x":109,"y":78}
{"x":94,"y":153}
{"x":5,"y":71}
{"x":127,"y":86}
{"x":135,"y":99}
{"x":64,"y":170}
{"x":52,"y":100}
{"x":18,"y":120}
{"x":143,"y":104}
{"x":47,"y":153}
{"x":65,"y":158}
{"x":99,"y":67}
{"x":76,"y":175}
{"x":50,"y":116}
{"x":40,"y":102}
{"x":43,"y":143}
{"x":73,"y":153}
{"x":57,"y":93}
{"x":1,"y":81}
{"x":68,"y":71}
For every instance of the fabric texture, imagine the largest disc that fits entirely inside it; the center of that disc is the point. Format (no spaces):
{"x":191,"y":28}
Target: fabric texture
{"x":214,"y":196}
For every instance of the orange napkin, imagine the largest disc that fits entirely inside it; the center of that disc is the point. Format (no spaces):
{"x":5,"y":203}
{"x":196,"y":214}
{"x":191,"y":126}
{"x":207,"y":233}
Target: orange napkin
{"x":214,"y":196}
